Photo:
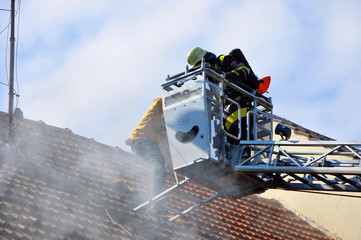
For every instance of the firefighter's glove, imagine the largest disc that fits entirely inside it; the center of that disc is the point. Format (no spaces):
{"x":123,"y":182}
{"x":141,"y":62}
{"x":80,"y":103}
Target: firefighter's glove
{"x":232,"y":76}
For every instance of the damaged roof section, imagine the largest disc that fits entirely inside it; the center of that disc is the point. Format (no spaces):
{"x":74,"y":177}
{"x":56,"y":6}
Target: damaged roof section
{"x":55,"y":184}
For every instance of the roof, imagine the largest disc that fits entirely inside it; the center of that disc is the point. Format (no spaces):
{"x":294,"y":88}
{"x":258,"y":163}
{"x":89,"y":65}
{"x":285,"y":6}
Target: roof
{"x":55,"y":184}
{"x":311,"y":135}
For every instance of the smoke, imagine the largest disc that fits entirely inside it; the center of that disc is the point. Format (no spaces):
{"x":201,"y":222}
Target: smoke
{"x":50,"y":182}
{"x":54,"y":184}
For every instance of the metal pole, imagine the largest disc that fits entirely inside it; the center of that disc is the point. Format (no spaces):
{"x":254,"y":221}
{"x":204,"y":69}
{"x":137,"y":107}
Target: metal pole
{"x":11,"y":83}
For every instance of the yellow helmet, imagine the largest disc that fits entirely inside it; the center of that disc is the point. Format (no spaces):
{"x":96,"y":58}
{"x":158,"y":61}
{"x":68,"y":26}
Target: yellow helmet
{"x":195,"y":55}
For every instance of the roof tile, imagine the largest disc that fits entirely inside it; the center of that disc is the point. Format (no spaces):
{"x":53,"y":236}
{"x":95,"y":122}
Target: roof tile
{"x":60,"y":185}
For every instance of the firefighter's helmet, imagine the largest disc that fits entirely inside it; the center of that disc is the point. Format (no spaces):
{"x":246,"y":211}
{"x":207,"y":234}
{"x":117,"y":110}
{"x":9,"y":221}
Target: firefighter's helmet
{"x":195,"y":55}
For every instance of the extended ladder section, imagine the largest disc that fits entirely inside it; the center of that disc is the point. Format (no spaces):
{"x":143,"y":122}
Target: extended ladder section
{"x":307,"y":165}
{"x":238,"y":163}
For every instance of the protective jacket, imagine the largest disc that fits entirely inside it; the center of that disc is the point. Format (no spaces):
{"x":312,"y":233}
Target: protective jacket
{"x":237,"y":70}
{"x":236,"y":67}
{"x":152,"y":126}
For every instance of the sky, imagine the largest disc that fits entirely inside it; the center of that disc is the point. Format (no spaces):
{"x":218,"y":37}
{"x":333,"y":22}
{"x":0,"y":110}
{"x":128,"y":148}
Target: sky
{"x":95,"y":66}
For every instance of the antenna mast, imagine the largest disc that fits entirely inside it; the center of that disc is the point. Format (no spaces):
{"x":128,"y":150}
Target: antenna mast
{"x":11,"y":83}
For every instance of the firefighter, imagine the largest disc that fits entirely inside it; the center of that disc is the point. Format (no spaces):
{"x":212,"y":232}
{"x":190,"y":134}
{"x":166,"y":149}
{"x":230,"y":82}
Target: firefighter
{"x":145,"y":140}
{"x":238,"y":71}
{"x":235,"y":65}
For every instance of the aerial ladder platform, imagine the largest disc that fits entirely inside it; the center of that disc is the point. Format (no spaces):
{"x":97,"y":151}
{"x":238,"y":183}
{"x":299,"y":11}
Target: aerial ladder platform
{"x":202,"y":150}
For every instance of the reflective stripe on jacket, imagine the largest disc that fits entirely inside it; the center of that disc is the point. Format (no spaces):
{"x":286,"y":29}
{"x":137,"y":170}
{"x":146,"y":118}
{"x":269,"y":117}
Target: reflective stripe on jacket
{"x":234,"y":117}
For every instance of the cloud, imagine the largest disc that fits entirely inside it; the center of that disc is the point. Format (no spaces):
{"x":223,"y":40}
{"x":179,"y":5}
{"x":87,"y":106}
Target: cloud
{"x":116,"y":65}
{"x":95,"y":68}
